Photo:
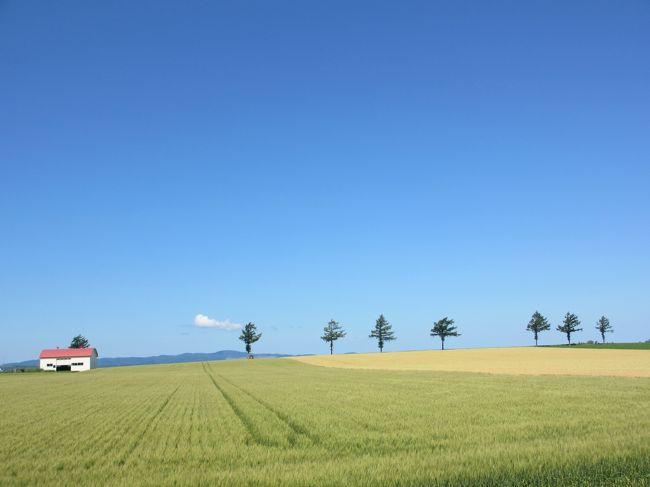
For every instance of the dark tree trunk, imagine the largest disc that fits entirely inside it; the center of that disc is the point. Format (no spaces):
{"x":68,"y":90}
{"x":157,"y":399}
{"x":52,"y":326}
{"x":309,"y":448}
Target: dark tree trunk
{"x":443,"y":343}
{"x":331,"y":348}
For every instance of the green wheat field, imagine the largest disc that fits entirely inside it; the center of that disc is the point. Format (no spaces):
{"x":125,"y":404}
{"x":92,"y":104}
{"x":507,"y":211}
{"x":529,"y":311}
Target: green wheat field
{"x":283,"y":422}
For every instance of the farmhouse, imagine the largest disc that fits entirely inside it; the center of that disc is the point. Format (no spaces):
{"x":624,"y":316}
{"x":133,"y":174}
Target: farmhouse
{"x":74,"y":359}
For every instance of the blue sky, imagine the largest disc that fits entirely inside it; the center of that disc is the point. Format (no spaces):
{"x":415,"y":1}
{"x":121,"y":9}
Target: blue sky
{"x":291,"y":162}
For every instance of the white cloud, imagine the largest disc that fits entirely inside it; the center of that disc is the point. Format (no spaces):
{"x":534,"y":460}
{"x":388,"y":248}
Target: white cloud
{"x":203,"y":321}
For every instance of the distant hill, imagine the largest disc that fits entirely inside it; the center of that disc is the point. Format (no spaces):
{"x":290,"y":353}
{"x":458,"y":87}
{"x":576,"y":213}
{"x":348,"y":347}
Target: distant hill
{"x":158,"y":359}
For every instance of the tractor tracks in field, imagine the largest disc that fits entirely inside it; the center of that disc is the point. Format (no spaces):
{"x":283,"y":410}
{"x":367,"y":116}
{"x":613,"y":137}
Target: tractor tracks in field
{"x":248,"y":424}
{"x":296,"y":430}
{"x":147,"y":427}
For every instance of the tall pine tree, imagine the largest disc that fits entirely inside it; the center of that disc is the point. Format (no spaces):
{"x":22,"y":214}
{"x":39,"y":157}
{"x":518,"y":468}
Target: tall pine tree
{"x":537,"y":324}
{"x":331,"y":333}
{"x":383,"y":332}
{"x":444,"y":328}
{"x":569,"y":325}
{"x":603,"y":327}
{"x":249,"y":336}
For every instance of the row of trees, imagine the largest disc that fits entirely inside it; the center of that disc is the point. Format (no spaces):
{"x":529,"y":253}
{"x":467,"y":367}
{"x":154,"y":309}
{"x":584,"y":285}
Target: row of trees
{"x":382,"y":332}
{"x":538,"y":323}
{"x":443,"y":328}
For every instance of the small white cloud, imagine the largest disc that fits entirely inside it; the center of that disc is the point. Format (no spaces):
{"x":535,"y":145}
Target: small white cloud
{"x":203,"y":321}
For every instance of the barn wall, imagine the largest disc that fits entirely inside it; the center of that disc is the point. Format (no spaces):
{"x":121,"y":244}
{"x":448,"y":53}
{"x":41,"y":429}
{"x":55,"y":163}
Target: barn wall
{"x":87,"y":363}
{"x":45,"y":361}
{"x":84,"y":361}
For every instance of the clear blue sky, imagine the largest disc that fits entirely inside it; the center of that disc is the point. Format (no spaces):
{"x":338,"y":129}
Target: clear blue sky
{"x":291,"y":162}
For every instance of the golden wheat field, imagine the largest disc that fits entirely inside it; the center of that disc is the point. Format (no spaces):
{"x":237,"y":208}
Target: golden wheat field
{"x":520,"y":360}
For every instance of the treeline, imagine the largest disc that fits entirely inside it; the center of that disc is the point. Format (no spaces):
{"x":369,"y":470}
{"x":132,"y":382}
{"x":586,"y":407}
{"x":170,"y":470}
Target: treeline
{"x":538,"y":323}
{"x":443,"y":328}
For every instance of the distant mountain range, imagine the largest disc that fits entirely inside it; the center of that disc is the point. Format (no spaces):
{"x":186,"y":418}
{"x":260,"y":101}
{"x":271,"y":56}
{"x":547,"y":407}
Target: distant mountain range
{"x":158,"y":359}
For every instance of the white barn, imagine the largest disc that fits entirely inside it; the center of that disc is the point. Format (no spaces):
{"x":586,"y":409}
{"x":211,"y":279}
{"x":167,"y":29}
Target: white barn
{"x":74,"y":359}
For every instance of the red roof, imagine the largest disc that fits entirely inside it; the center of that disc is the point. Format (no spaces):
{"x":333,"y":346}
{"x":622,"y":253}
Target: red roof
{"x":67,"y":352}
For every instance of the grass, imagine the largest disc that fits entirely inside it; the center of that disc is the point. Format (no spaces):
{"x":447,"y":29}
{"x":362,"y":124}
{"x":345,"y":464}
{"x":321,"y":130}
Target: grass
{"x":614,"y":346}
{"x":517,"y":360}
{"x":283,"y":422}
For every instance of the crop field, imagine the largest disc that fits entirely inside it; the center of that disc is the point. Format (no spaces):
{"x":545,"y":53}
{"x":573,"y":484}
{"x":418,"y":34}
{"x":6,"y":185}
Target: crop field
{"x":517,"y":360}
{"x":617,"y":346}
{"x":284,"y":422}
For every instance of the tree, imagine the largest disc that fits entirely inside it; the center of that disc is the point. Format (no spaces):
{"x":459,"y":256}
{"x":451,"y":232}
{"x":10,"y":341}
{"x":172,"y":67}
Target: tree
{"x":603,"y":327}
{"x":79,"y":341}
{"x":249,"y":336}
{"x":383,"y":332}
{"x":331,"y":333}
{"x":569,"y":325}
{"x":537,"y":324}
{"x":444,"y":328}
